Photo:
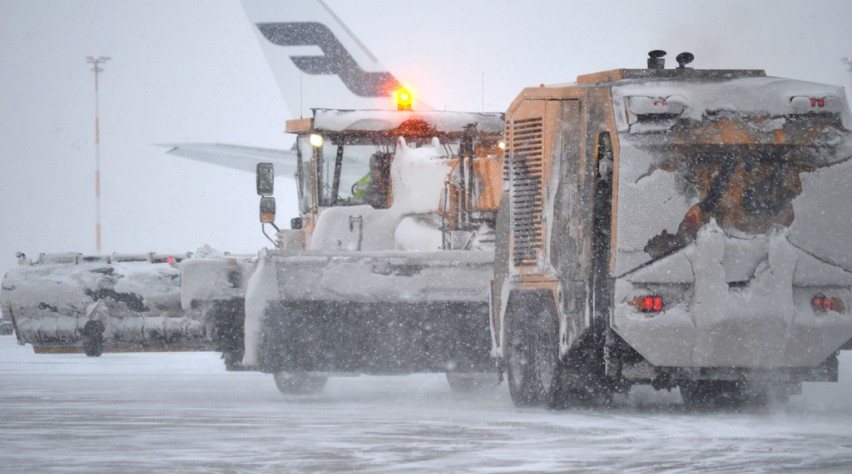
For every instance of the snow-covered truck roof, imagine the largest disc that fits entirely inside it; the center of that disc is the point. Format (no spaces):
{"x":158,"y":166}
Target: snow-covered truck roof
{"x":767,"y":136}
{"x":686,"y":93}
{"x":371,"y":121}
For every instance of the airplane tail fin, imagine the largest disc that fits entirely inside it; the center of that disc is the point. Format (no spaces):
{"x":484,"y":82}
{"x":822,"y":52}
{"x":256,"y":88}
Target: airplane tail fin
{"x":317,"y":60}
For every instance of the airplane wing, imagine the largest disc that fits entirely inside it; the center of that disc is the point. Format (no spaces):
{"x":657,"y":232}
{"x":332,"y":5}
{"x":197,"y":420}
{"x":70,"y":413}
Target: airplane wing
{"x":238,"y":157}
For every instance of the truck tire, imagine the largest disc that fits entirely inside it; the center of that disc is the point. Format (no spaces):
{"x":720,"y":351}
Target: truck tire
{"x":299,"y":383}
{"x":524,"y":385}
{"x":471,"y":382}
{"x":93,"y":338}
{"x":533,"y":361}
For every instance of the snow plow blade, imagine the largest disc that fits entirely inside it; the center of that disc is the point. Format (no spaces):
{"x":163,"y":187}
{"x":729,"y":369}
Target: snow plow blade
{"x":370,"y":312}
{"x":94,"y":304}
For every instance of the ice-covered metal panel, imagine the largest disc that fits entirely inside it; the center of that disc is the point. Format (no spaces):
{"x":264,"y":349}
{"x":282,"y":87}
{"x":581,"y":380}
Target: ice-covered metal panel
{"x":717,"y":319}
{"x":823,"y":224}
{"x":395,"y":276}
{"x":752,"y":96}
{"x":740,"y":152}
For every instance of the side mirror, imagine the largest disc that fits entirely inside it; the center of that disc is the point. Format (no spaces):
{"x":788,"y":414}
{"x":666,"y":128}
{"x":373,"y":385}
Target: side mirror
{"x":265,"y":180}
{"x":267,"y":210}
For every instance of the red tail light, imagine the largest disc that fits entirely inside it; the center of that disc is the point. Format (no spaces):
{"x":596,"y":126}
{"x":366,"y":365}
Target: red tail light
{"x":649,"y":304}
{"x":822,"y":303}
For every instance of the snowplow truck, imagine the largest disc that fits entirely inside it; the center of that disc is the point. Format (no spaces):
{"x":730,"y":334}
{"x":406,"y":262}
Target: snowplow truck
{"x":70,"y":302}
{"x":386,"y":269}
{"x":681,"y":228}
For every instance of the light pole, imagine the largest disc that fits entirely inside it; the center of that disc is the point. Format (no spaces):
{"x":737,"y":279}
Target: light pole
{"x":96,"y":61}
{"x":848,"y":61}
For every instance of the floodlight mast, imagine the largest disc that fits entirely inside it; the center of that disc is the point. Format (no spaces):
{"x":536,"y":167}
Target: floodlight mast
{"x":96,"y":61}
{"x":847,"y":61}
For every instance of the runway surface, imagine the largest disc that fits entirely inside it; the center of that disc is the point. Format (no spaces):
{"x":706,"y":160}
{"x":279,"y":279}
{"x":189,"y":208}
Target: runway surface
{"x":181,"y":412}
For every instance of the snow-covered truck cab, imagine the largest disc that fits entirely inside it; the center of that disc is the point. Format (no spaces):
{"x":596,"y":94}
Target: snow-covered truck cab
{"x":386,"y":270}
{"x":674,"y":227}
{"x":450,"y":170}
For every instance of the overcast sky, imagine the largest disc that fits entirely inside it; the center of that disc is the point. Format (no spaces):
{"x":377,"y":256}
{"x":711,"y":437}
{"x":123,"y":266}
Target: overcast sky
{"x":192,"y":71}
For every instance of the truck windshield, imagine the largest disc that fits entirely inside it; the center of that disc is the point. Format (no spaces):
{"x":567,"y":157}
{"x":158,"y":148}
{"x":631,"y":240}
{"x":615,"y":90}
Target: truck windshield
{"x":346,"y":172}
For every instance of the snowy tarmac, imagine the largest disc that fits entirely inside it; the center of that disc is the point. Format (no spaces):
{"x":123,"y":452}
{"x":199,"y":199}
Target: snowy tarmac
{"x":181,"y":412}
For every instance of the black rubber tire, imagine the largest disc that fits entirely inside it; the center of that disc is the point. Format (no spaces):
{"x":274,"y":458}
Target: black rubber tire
{"x":524,"y":385}
{"x":579,"y":385}
{"x":93,"y":338}
{"x":471,"y":382}
{"x":533,"y":361}
{"x":299,"y":383}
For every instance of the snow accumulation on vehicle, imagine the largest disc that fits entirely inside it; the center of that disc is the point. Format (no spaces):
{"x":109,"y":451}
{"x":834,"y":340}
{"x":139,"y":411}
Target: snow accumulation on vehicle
{"x":742,"y":223}
{"x":135,"y":300}
{"x":780,"y":177}
{"x":672,"y":227}
{"x":383,"y":286}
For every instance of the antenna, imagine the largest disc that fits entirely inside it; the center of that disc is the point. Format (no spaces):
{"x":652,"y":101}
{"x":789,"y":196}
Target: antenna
{"x":483,"y":92}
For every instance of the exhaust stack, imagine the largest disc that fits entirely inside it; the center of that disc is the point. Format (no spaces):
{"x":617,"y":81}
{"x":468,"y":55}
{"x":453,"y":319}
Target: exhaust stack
{"x":657,"y":59}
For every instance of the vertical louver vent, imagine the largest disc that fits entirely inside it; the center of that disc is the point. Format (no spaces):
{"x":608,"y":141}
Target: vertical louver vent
{"x":507,"y":136}
{"x":526,"y":149}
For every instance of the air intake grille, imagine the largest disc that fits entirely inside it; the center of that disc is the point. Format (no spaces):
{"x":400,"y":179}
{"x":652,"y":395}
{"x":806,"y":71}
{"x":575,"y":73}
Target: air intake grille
{"x":526,"y":148}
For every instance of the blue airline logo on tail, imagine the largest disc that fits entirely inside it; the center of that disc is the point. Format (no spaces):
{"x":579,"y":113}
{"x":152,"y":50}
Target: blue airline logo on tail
{"x":335,"y":61}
